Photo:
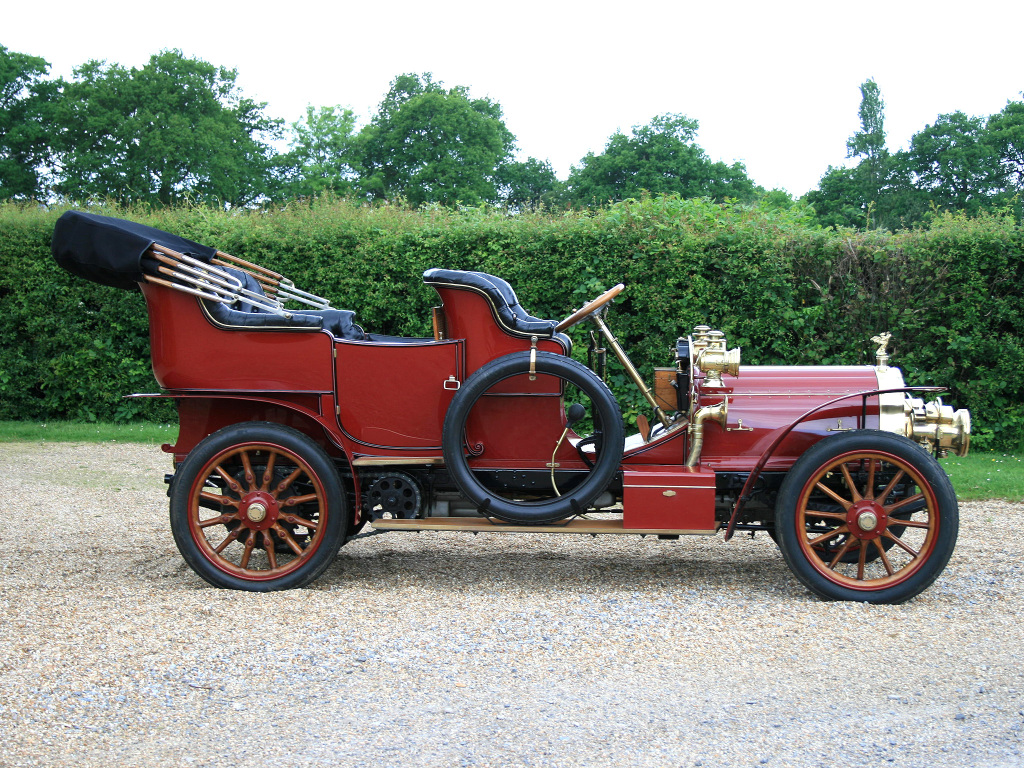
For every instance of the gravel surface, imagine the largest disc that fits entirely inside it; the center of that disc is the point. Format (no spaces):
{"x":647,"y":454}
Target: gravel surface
{"x":445,"y":649}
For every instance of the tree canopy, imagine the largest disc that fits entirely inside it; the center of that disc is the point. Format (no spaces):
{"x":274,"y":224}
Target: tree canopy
{"x":658,"y":158}
{"x":431,"y":144}
{"x":179,"y":128}
{"x":25,"y":97}
{"x":958,"y":163}
{"x":176,"y":128}
{"x":322,"y":154}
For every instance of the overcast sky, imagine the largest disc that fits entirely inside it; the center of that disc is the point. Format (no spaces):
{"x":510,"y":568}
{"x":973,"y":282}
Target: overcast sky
{"x":773,"y":85}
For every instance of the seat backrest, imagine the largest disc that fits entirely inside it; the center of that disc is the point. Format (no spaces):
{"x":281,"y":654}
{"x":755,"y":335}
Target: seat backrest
{"x":507,"y":309}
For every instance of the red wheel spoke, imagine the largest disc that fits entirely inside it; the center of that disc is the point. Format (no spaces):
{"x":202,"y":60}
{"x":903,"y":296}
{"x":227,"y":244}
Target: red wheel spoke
{"x":869,"y":484}
{"x":860,"y":562}
{"x":232,"y":535}
{"x":258,"y":507}
{"x":845,"y":503}
{"x":268,"y":543}
{"x":292,"y":543}
{"x":888,"y":489}
{"x":299,"y":500}
{"x":283,"y":485}
{"x":902,"y":544}
{"x":234,"y":486}
{"x":912,"y":523}
{"x":268,"y":473}
{"x":826,"y":536}
{"x":828,"y":515}
{"x":885,"y":558}
{"x":219,"y":520}
{"x":849,"y":483}
{"x":842,"y":551}
{"x":222,"y":500}
{"x":909,"y":500}
{"x":250,"y":478}
{"x":296,"y":520}
{"x":249,"y":544}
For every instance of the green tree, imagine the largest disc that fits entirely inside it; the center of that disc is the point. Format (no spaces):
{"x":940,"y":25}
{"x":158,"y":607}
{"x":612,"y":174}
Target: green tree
{"x":525,"y":184}
{"x":658,"y":158}
{"x":869,"y":144}
{"x":1005,"y":133}
{"x":875,"y":193}
{"x":955,"y":161}
{"x":176,"y":128}
{"x":322,"y":153}
{"x":431,"y":144}
{"x":25,"y":134}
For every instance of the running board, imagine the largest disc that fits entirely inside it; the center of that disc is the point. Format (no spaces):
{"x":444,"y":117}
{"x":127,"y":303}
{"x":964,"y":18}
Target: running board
{"x":483,"y":525}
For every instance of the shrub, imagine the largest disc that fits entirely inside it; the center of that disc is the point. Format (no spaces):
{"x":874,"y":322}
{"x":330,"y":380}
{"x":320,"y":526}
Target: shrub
{"x":782,"y":288}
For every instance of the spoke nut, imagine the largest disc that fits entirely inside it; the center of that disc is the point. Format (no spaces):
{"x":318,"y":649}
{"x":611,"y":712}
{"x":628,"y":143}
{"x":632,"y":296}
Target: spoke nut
{"x":867,"y":521}
{"x":256,"y":512}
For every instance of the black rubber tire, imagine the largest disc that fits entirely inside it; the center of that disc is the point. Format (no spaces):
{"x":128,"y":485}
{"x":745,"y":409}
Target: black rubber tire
{"x":823,"y":463}
{"x":317,"y":476}
{"x":606,"y":465}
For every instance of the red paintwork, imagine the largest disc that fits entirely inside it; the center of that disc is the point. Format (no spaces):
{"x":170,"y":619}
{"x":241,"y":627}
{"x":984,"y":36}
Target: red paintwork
{"x":386,"y":399}
{"x":190,"y":352}
{"x":770,"y":398}
{"x":468,"y":316}
{"x":669,"y":498}
{"x":394,"y":395}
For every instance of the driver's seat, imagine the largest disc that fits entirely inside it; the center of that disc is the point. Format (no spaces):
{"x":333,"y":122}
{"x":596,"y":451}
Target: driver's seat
{"x":505,"y":306}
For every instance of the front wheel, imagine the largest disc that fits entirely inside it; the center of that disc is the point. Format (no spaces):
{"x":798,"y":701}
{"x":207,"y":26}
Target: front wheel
{"x":258,"y":507}
{"x":866,"y":516}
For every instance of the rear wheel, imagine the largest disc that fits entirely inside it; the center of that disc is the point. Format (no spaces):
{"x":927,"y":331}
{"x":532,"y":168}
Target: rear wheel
{"x":866,"y":516}
{"x":258,"y":507}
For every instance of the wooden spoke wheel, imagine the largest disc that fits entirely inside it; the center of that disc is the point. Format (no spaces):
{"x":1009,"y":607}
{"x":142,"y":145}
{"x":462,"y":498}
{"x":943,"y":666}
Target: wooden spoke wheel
{"x":866,"y":516}
{"x":259,"y":507}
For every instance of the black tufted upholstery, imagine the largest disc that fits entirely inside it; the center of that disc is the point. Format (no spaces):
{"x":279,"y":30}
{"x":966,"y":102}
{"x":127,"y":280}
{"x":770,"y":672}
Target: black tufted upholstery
{"x":507,"y":309}
{"x":243,"y":314}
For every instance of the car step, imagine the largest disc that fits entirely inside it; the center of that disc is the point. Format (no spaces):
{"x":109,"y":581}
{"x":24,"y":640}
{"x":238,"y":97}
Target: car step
{"x":482,"y":524}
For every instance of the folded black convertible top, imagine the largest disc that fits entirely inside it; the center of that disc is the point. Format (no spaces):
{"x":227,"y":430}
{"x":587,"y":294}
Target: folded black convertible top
{"x":109,"y":251}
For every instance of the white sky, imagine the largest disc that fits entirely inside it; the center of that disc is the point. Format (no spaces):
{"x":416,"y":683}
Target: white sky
{"x":774,"y":85}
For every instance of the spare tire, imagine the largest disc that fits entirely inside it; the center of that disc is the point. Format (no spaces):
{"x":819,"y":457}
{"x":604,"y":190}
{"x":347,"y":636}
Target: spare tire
{"x":606,"y":420}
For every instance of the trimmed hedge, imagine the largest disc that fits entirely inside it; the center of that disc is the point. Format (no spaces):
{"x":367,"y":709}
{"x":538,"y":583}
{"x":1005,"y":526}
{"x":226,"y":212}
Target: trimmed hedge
{"x":786,"y":291}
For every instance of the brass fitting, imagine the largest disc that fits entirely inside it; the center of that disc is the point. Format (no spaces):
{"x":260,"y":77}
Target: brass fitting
{"x":696,"y":429}
{"x":711,"y":356}
{"x":937,"y":426}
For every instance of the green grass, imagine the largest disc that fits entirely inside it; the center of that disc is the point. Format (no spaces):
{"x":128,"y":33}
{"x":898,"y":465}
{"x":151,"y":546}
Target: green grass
{"x":980,"y":475}
{"x":986,"y":475}
{"x":79,"y":432}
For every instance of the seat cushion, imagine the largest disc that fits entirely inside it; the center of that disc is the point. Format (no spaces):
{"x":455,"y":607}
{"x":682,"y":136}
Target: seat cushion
{"x":244,"y":314}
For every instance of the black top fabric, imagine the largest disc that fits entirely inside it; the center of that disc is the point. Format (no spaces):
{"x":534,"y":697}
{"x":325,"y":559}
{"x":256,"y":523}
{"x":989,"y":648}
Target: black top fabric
{"x":109,"y":251}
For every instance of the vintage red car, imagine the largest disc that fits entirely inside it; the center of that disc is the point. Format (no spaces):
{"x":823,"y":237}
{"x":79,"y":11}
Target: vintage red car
{"x":297,"y":428}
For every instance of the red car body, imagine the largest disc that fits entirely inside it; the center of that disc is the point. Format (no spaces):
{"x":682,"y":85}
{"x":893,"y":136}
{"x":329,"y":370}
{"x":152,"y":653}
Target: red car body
{"x":473,"y":429}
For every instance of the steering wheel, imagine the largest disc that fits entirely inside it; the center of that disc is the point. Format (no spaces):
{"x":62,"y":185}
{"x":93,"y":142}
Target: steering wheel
{"x":588,"y":309}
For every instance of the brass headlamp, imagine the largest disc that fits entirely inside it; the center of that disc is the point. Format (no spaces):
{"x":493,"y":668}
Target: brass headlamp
{"x":937,"y":426}
{"x":711,"y":356}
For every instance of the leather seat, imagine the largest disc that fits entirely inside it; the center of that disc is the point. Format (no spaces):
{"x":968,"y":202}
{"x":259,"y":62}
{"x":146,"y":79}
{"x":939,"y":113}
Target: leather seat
{"x":244,"y":314}
{"x":507,"y":310}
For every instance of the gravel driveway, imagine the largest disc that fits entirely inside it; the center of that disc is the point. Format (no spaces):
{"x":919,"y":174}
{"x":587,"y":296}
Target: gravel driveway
{"x":445,"y":649}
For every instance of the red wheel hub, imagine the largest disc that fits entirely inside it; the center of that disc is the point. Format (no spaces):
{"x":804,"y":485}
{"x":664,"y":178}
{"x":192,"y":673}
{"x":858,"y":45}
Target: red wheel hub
{"x":867,"y":519}
{"x":258,"y":511}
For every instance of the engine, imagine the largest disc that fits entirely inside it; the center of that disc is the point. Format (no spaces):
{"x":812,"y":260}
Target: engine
{"x":752,"y":403}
